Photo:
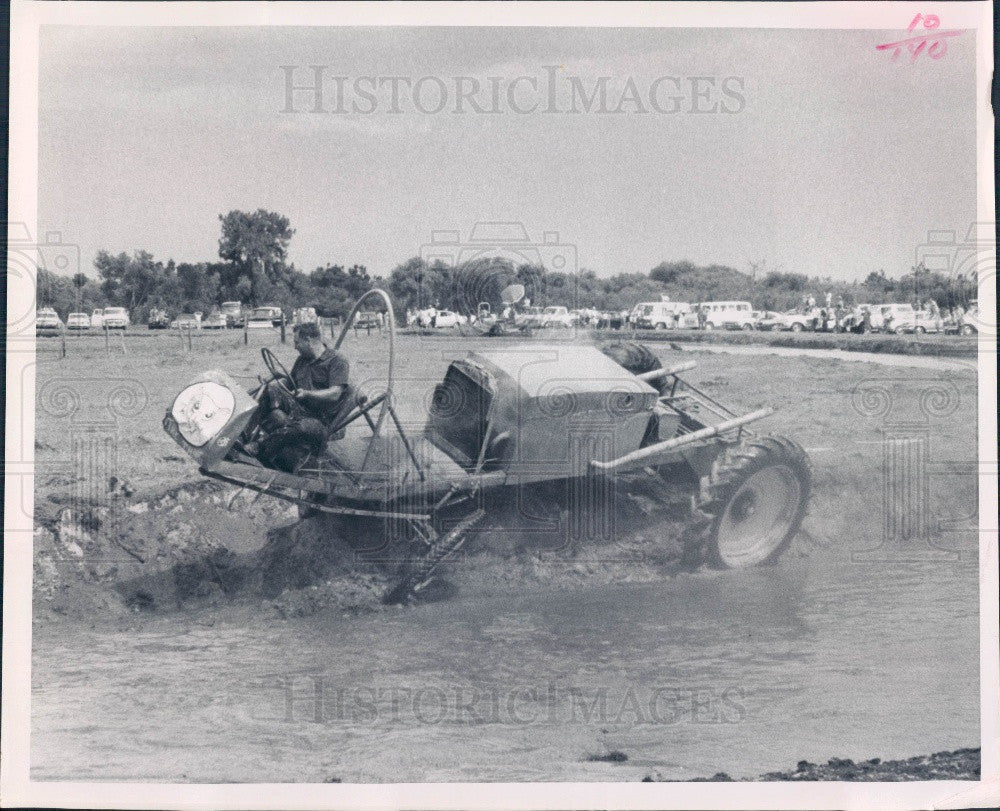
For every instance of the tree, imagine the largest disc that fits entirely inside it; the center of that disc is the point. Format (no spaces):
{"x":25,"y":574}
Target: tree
{"x":670,"y":272}
{"x":254,"y":247}
{"x":129,"y":281}
{"x":415,"y":284}
{"x":198,"y":286}
{"x":334,"y":290}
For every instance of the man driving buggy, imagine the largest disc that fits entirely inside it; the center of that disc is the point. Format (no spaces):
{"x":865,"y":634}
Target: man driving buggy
{"x":298,"y":410}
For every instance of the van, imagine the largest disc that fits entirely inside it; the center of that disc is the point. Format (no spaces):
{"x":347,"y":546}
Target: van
{"x":728,"y":314}
{"x":660,"y":315}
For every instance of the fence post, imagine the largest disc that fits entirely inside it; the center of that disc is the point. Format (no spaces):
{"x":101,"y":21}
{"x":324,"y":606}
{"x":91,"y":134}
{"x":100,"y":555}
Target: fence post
{"x":107,"y":340}
{"x":62,"y":340}
{"x":246,"y":338}
{"x":189,"y":338}
{"x":282,"y":327}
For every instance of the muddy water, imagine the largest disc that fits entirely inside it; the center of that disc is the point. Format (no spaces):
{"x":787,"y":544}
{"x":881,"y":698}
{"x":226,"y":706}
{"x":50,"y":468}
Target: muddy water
{"x":739,"y":672}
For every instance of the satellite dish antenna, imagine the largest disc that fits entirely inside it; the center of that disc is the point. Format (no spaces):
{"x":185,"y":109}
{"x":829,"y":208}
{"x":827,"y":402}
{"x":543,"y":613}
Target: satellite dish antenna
{"x":512,"y":294}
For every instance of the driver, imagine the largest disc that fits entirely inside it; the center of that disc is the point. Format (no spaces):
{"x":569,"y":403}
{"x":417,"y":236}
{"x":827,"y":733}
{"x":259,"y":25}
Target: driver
{"x":298,"y":413}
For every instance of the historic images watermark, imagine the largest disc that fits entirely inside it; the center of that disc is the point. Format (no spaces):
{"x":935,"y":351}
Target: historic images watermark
{"x":314,"y":699}
{"x":317,"y":89}
{"x":911,"y":466}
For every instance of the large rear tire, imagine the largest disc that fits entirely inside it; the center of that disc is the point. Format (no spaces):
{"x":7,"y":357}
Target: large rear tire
{"x":751,"y":505}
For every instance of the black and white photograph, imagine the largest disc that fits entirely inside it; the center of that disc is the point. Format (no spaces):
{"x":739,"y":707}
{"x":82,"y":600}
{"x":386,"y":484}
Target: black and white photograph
{"x":501,"y":405}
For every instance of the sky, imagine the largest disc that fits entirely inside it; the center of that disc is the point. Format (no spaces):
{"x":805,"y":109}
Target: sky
{"x":818,"y":155}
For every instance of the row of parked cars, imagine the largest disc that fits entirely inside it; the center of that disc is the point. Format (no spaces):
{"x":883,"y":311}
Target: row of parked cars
{"x":48,"y":320}
{"x":231,"y":315}
{"x":739,"y":315}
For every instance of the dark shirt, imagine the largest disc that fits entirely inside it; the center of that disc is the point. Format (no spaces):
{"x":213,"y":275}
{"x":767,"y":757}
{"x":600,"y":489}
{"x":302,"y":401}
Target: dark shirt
{"x":329,"y":369}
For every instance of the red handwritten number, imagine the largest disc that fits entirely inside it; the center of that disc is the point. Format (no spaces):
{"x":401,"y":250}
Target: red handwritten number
{"x":935,"y":44}
{"x":930,"y":21}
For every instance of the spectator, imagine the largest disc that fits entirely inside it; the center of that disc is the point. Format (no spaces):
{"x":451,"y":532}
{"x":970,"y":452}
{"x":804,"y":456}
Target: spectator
{"x":934,"y":313}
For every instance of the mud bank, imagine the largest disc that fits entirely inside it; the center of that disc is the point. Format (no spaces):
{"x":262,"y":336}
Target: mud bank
{"x":929,"y":345}
{"x":205,"y":545}
{"x":961,"y":764}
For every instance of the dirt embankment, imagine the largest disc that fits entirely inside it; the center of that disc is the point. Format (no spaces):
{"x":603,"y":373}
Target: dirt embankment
{"x":955,"y":346}
{"x":961,"y":764}
{"x":205,"y":545}
{"x":926,"y":345}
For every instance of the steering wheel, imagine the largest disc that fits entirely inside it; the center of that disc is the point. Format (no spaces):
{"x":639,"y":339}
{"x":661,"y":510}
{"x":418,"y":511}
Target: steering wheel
{"x":279,"y":374}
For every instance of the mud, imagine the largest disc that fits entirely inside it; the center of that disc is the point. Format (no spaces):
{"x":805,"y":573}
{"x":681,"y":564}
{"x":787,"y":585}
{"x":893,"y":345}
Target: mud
{"x":206,"y":545}
{"x":162,"y":615}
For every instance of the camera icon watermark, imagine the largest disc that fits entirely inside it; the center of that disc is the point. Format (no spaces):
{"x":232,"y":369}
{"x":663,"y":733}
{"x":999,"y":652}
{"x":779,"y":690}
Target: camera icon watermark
{"x":497,"y":254}
{"x":970,"y":265}
{"x":28,"y":262}
{"x":504,"y":240}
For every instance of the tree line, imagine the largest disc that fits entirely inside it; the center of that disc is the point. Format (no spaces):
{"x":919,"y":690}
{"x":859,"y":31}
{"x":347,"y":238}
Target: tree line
{"x":252,"y":267}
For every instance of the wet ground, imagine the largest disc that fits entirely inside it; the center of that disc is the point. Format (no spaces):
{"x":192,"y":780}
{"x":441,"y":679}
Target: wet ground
{"x":176,"y":640}
{"x":736,"y":672}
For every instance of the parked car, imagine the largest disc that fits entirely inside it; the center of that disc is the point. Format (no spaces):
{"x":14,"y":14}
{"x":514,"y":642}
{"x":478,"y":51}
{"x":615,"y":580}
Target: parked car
{"x":447,"y":319}
{"x":967,"y":324}
{"x":233,"y":310}
{"x":367,"y":320}
{"x":97,"y":319}
{"x":769,"y":320}
{"x":557,"y":317}
{"x":529,"y":317}
{"x":277,"y":316}
{"x":47,"y":320}
{"x":215,"y":320}
{"x":116,"y":318}
{"x":158,"y":319}
{"x":77,"y":321}
{"x":186,"y":321}
{"x":917,"y":321}
{"x":799,"y":321}
{"x":262,"y":318}
{"x":886,"y":317}
{"x":305,"y":315}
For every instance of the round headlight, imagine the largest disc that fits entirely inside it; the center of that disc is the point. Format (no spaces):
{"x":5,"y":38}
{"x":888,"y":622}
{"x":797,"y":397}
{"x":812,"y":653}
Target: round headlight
{"x":202,"y":410}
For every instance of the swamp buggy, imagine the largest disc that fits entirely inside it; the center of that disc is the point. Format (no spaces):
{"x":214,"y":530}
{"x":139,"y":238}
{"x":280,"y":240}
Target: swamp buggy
{"x":510,"y":416}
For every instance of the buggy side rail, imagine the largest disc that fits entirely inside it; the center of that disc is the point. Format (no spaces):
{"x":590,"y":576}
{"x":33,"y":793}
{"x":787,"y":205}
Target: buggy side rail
{"x":656,"y":374}
{"x":631,"y":459}
{"x":675,"y":398}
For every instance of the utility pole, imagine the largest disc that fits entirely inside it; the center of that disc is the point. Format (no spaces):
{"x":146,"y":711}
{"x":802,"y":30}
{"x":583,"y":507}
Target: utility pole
{"x":760,"y":267}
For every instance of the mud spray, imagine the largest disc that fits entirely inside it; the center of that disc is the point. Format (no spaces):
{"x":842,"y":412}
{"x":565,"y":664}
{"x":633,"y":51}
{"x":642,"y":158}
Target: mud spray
{"x":205,"y":545}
